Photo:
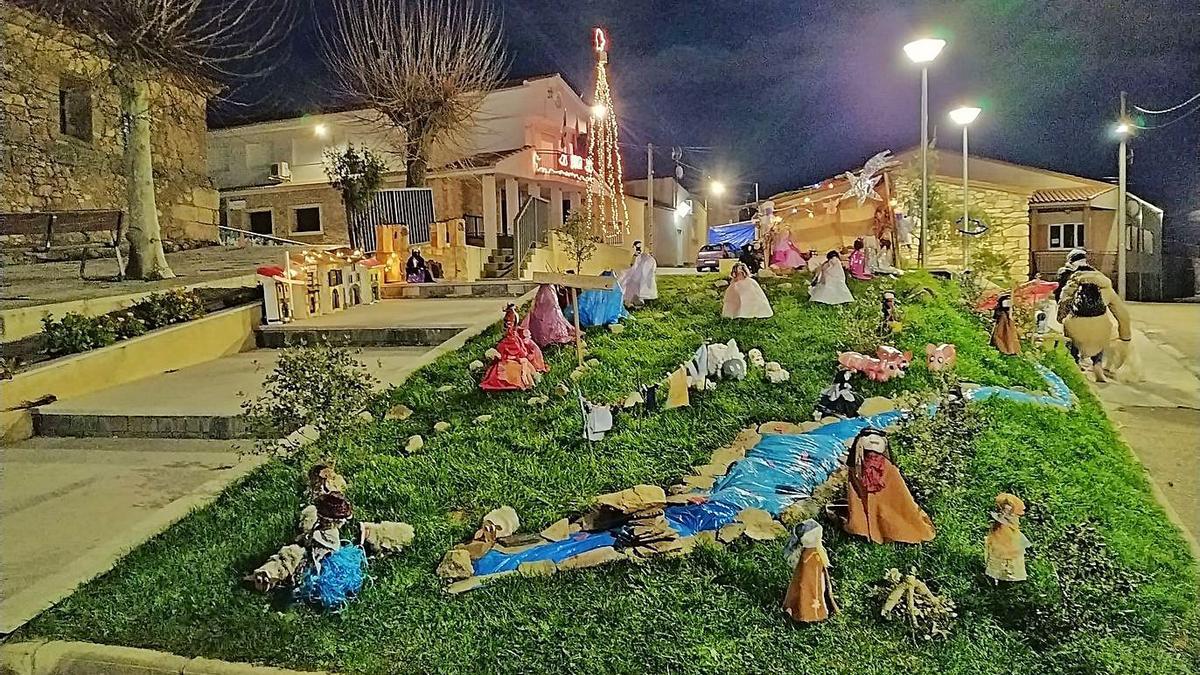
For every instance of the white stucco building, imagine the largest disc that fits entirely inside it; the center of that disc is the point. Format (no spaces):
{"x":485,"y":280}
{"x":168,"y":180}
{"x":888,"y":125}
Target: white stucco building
{"x":527,"y":141}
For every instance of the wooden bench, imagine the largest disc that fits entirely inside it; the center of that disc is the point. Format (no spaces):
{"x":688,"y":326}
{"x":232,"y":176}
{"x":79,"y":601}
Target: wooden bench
{"x":46,"y":225}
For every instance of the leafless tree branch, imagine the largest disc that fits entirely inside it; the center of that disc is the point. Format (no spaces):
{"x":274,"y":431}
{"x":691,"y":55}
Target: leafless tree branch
{"x":426,"y":65}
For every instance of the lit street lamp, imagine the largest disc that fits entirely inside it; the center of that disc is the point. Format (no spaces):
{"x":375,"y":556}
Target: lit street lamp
{"x":717,"y":188}
{"x":964,"y":116}
{"x":1124,"y":130}
{"x":922,"y":52}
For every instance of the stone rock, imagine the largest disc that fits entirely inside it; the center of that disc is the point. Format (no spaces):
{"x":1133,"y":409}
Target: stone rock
{"x":615,"y":328}
{"x":706,"y":538}
{"x":491,"y":354}
{"x":483,"y":419}
{"x":714,"y":294}
{"x":561,"y":389}
{"x":578,"y":373}
{"x":720,"y":283}
{"x":778,"y":428}
{"x":729,"y":533}
{"x":560,"y":530}
{"x":637,"y":499}
{"x":440,"y":427}
{"x":592,"y":363}
{"x":785,"y":286}
{"x":538,"y":400}
{"x":631,"y":399}
{"x":592,"y":558}
{"x":755,"y":357}
{"x":366,"y":416}
{"x":760,"y":526}
{"x":540,"y":568}
{"x":456,"y":564}
{"x":414,"y":444}
{"x":876,"y":405}
{"x":699,"y":482}
{"x":398,"y":412}
{"x":445,"y":388}
{"x":468,"y":584}
{"x":475,"y":365}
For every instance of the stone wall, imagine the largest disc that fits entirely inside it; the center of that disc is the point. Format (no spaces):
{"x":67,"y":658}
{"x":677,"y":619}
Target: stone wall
{"x":1008,"y":218}
{"x":44,"y":169}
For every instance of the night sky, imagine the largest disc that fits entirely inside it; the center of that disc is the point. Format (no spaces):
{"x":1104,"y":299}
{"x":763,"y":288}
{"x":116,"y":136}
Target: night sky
{"x":789,"y":92}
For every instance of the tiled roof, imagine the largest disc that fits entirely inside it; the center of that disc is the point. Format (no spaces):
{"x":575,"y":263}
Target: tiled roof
{"x":480,"y":160}
{"x":1061,"y":195}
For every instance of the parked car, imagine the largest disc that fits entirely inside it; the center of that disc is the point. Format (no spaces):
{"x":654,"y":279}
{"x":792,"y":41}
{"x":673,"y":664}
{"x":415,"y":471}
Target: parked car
{"x":711,"y":255}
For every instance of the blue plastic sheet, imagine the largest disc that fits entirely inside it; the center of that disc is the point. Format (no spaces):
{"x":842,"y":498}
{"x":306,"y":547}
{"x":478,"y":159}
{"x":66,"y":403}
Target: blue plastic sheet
{"x":600,"y":308}
{"x":779,"y":470}
{"x":738,"y":234}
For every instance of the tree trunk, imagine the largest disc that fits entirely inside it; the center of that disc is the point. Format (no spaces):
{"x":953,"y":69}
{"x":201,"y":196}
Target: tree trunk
{"x":146,"y":258}
{"x":416,"y":168}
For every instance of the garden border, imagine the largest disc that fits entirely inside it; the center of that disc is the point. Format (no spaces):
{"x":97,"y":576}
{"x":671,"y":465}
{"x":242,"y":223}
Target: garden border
{"x":59,"y":657}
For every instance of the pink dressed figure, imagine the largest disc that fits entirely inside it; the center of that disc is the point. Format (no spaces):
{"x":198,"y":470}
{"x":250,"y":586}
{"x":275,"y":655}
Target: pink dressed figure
{"x":858,"y":261}
{"x":545,"y":321}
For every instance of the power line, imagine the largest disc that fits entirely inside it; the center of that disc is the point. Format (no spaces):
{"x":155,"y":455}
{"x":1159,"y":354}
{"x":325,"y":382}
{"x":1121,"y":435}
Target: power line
{"x":1167,"y":124}
{"x":1167,"y":110}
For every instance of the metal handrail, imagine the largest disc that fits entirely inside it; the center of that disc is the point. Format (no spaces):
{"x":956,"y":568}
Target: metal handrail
{"x":530,"y":228}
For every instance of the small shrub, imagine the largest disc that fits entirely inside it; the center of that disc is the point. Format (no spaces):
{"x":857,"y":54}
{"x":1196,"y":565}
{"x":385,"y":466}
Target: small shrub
{"x":164,"y":309}
{"x":1089,"y":578}
{"x":934,"y":451}
{"x":76,"y":333}
{"x":126,"y":325}
{"x":320,"y":385}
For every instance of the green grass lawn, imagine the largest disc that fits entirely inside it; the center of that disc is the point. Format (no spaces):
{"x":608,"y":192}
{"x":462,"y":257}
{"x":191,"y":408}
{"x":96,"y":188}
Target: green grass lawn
{"x":717,"y":610}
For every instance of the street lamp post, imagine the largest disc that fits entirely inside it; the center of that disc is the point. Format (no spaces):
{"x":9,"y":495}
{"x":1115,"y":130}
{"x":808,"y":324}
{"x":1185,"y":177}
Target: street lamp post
{"x":1123,"y":129}
{"x":964,"y":116}
{"x":923,"y":51}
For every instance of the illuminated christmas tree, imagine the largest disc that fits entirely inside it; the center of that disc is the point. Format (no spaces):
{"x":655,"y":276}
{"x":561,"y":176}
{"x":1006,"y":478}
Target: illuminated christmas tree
{"x":605,"y":201}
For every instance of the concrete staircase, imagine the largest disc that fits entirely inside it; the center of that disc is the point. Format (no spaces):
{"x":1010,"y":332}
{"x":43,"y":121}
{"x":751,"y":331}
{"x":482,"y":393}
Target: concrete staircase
{"x":499,"y":264}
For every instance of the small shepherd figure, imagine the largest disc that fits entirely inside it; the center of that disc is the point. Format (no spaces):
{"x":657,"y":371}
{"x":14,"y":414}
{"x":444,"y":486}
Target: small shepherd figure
{"x":1004,"y":547}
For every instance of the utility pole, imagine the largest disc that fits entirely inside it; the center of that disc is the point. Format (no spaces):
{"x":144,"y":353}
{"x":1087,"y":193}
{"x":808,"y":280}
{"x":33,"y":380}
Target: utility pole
{"x":1122,"y":237}
{"x":649,"y":235}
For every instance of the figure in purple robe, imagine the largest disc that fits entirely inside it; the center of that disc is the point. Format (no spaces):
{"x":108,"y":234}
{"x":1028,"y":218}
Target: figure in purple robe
{"x":545,"y":320}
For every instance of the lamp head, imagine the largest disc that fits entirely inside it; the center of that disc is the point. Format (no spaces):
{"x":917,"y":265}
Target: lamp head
{"x":924,"y":50}
{"x":599,"y":111}
{"x":964,"y":115}
{"x":1123,"y":128}
{"x":717,"y":187}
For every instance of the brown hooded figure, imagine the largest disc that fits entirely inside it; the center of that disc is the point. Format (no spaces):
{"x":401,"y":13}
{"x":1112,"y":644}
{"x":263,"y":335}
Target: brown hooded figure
{"x":810,"y":595}
{"x":1004,"y":333}
{"x":880,"y":507}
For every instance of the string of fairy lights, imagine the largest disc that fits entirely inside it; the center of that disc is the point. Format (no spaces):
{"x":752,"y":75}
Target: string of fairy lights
{"x":604,"y":202}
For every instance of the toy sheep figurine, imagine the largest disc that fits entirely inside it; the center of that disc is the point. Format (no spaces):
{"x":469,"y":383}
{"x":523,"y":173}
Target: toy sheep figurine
{"x":278,"y":569}
{"x":385,"y":537}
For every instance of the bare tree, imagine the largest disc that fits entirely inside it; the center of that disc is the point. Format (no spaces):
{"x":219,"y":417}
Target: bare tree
{"x":425,"y":65}
{"x":190,"y":46}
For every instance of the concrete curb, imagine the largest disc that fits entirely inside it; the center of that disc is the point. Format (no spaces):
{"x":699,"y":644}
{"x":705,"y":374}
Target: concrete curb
{"x":80,"y":658}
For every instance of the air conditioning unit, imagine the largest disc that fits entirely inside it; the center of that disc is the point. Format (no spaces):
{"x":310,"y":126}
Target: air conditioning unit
{"x":281,"y":172}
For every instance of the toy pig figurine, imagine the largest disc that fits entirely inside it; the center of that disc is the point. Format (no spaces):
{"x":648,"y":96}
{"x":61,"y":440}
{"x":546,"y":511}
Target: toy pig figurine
{"x":941,"y":357}
{"x":1004,"y":547}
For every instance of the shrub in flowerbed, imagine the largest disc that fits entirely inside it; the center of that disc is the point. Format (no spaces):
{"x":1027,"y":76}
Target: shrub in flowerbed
{"x":75,"y":332}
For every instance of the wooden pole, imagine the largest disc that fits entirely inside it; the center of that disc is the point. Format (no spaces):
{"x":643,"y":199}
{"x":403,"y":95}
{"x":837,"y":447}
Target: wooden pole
{"x":578,"y":331}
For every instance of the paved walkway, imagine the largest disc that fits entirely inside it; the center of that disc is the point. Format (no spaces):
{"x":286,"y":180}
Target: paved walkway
{"x":45,"y":283}
{"x":1160,"y":416}
{"x":69,"y":508}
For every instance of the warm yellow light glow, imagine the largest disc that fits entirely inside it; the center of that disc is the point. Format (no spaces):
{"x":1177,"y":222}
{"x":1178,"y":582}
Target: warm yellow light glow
{"x":924,"y":50}
{"x":1122,"y":128}
{"x":717,"y":187}
{"x":321,"y":130}
{"x":964,"y":115}
{"x":599,"y":111}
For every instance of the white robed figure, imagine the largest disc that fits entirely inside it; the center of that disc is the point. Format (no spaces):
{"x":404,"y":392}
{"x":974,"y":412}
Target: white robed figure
{"x":829,"y":283}
{"x":638,"y":281}
{"x":744,"y":298}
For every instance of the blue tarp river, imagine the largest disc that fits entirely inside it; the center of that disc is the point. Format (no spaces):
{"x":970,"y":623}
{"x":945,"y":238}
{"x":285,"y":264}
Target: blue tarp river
{"x":779,"y":470}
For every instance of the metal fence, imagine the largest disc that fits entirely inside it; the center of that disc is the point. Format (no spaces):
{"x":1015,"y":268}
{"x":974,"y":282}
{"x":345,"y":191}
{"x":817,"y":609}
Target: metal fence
{"x":531,"y":228}
{"x":401,"y":206}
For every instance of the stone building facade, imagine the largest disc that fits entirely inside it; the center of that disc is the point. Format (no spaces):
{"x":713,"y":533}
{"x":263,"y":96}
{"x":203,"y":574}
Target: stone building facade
{"x":61,"y":146}
{"x":1007,"y":210}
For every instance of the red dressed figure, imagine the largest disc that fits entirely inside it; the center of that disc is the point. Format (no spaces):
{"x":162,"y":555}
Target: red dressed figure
{"x":514,"y":368}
